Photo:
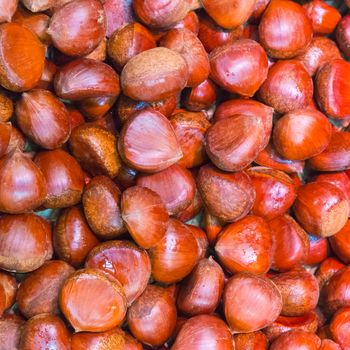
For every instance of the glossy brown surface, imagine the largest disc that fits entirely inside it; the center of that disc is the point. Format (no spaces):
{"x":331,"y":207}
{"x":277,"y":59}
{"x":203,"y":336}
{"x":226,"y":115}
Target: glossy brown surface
{"x":240,"y":67}
{"x":32,"y":299}
{"x":126,"y":262}
{"x":96,"y":150}
{"x":321,"y":208}
{"x":10,"y":331}
{"x":288,"y":87}
{"x":251,"y":341}
{"x":73,"y":39}
{"x":175,"y":255}
{"x":229,"y":196}
{"x":252,"y":242}
{"x":200,"y":97}
{"x":145,"y":215}
{"x":296,"y":340}
{"x":136,"y":143}
{"x":327,"y":269}
{"x":6,"y":108}
{"x":285,"y":30}
{"x":251,"y":302}
{"x":22,"y":58}
{"x":339,"y":327}
{"x":152,"y":317}
{"x":340,"y":243}
{"x":92,"y":301}
{"x":204,"y":331}
{"x":175,"y":186}
{"x":72,"y":236}
{"x":343,"y":35}
{"x":154,"y":75}
{"x":96,"y":108}
{"x":8,"y":290}
{"x":8,"y":8}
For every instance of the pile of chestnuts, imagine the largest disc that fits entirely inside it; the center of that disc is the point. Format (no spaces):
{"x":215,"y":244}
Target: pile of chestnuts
{"x":174,"y":174}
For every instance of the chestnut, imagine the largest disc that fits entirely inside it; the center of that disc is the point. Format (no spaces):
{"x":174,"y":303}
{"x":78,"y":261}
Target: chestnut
{"x":96,"y":108}
{"x":339,"y":327}
{"x":319,"y":250}
{"x":212,"y":35}
{"x":201,"y":291}
{"x":190,"y":22}
{"x":204,"y":332}
{"x":283,"y":324}
{"x":240,"y":67}
{"x":326,"y":270}
{"x":299,"y":290}
{"x":202,"y":240}
{"x":137,"y":145}
{"x":145,"y":215}
{"x":228,"y":196}
{"x":8,"y":8}
{"x":5,"y":136}
{"x":212,"y":225}
{"x":38,"y":5}
{"x":343,"y":35}
{"x":31,"y":229}
{"x":229,"y":13}
{"x":100,"y":53}
{"x":324,"y":17}
{"x":10,"y":331}
{"x":46,"y":79}
{"x":72,"y":237}
{"x":190,"y":129}
{"x":152,"y":317}
{"x":175,"y":255}
{"x":8,"y":290}
{"x":245,"y":245}
{"x":290,"y":241}
{"x":86,"y":78}
{"x":6,"y":107}
{"x":32,"y":299}
{"x":285,"y":29}
{"x":275,"y":192}
{"x":96,"y":149}
{"x":340,"y":243}
{"x":192,"y":210}
{"x":321,"y":208}
{"x":129,"y":41}
{"x":22,"y":58}
{"x":332,"y":88}
{"x":336,"y":156}
{"x":288,"y":86}
{"x":328,"y":344}
{"x":92,"y":301}
{"x":259,"y":8}
{"x":233,"y":143}
{"x":251,"y":341}
{"x":78,"y":40}
{"x":154,"y":75}
{"x":102,"y":195}
{"x":296,"y":339}
{"x":175,"y":186}
{"x":321,"y":50}
{"x":313,"y":131}
{"x":126,"y":262}
{"x":251,"y":302}
{"x":191,"y":49}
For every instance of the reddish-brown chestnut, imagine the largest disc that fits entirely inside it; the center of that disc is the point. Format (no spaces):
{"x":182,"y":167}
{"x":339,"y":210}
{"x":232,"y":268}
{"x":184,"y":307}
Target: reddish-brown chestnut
{"x":152,"y":317}
{"x":297,"y":339}
{"x":92,"y":301}
{"x":251,"y":302}
{"x":326,"y":270}
{"x":343,"y":35}
{"x":7,"y":10}
{"x":285,"y":30}
{"x":200,"y":97}
{"x":10,"y":331}
{"x":340,"y":243}
{"x":339,"y":327}
{"x":251,"y":341}
{"x":240,"y":67}
{"x":8,"y":289}
{"x":39,"y":5}
{"x":321,"y":208}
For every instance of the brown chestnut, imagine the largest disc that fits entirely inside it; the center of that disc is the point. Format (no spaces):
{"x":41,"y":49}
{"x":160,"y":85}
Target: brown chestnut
{"x":340,"y":243}
{"x":251,"y":341}
{"x":8,"y":8}
{"x":8,"y":290}
{"x":296,"y":339}
{"x":10,"y":331}
{"x":96,"y":108}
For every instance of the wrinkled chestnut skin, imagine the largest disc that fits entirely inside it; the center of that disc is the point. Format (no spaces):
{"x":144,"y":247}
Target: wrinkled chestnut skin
{"x":126,"y":262}
{"x":31,"y":229}
{"x":340,"y":243}
{"x":64,"y":178}
{"x":92,"y":301}
{"x":290,"y":241}
{"x":96,"y":150}
{"x":154,"y":75}
{"x":275,"y":192}
{"x":251,"y":302}
{"x":22,"y":58}
{"x":285,"y":30}
{"x":78,"y":40}
{"x":228,"y":196}
{"x":72,"y":236}
{"x":10,"y":331}
{"x":204,"y":332}
{"x":288,"y":86}
{"x":299,"y":290}
{"x":240,"y":67}
{"x":251,"y":341}
{"x":152,"y":317}
{"x":252,"y":240}
{"x":8,"y":290}
{"x":33,"y":299}
{"x":43,"y":331}
{"x":333,"y":89}
{"x":296,"y":339}
{"x":321,"y":208}
{"x":233,"y":143}
{"x":101,"y":203}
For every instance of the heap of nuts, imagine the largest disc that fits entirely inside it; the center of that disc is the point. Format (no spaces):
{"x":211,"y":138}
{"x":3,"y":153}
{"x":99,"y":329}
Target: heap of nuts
{"x":174,"y":174}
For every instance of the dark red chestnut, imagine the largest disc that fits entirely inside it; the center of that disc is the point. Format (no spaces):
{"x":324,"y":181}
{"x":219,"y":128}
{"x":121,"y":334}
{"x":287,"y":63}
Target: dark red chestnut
{"x":343,"y":35}
{"x":200,"y":97}
{"x":10,"y":331}
{"x":296,"y":339}
{"x":8,"y":290}
{"x":340,"y":243}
